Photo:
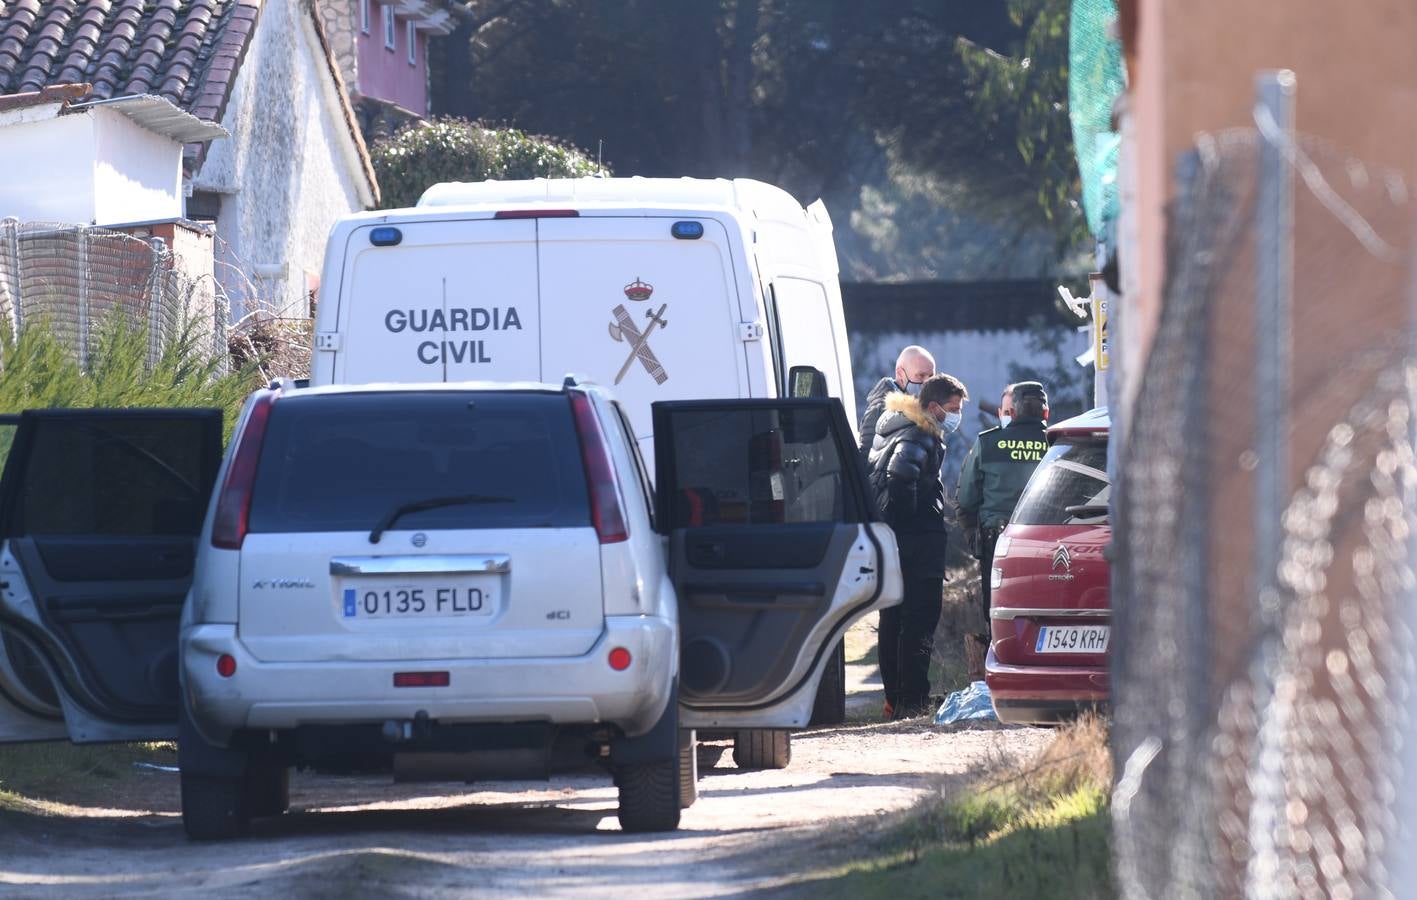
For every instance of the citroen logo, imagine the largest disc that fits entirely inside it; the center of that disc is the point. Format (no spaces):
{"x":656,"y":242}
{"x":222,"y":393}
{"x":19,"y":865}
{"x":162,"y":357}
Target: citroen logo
{"x":1062,"y":559}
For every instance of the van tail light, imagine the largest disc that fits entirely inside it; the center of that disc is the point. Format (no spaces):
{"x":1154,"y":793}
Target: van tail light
{"x":233,"y":508}
{"x":422,"y":679}
{"x":605,"y":509}
{"x":536,"y":214}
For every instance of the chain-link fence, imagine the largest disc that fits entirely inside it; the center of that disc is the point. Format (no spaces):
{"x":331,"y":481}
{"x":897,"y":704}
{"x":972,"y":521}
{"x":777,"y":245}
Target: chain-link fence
{"x":75,"y":279}
{"x":1261,"y":683}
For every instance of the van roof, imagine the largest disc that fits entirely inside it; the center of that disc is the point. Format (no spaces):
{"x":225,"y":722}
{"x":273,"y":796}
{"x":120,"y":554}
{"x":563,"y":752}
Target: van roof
{"x":616,"y":193}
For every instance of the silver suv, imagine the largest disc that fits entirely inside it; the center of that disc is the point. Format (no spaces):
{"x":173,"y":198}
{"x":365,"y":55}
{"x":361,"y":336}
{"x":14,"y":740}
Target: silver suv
{"x":453,"y":582}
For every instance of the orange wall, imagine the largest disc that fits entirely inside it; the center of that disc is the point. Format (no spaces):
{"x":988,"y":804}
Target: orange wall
{"x":1193,"y":65}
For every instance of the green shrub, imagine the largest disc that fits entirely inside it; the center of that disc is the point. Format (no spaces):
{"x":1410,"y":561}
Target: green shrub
{"x":39,"y":370}
{"x":423,"y":154}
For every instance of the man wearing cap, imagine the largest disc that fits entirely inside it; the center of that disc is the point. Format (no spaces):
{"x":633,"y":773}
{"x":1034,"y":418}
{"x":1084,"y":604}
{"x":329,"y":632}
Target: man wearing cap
{"x":995,"y":472}
{"x":912,"y":368}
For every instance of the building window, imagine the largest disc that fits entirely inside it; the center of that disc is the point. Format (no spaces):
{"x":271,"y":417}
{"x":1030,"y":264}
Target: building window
{"x":389,"y":32}
{"x":412,"y":34}
{"x":364,"y":16}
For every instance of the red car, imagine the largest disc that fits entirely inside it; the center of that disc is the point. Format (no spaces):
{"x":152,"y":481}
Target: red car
{"x":1050,"y":612}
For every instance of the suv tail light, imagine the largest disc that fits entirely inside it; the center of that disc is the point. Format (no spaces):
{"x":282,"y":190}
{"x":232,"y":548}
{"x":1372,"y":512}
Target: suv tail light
{"x":605,"y":509}
{"x":233,"y":507}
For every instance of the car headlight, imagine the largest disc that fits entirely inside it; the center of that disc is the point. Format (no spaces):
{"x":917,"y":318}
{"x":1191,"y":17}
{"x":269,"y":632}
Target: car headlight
{"x":996,"y":578}
{"x":1001,"y":547}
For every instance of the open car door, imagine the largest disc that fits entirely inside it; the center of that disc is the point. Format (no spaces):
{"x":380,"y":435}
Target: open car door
{"x":775,"y":550}
{"x":100,"y":511}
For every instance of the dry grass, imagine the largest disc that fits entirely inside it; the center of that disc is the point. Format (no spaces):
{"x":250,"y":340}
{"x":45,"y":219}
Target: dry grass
{"x":1039,"y":829}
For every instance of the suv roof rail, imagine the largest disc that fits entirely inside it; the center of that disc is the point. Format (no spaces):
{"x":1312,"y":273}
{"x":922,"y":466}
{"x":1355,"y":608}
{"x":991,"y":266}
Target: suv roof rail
{"x":284,"y":384}
{"x":575,"y":381}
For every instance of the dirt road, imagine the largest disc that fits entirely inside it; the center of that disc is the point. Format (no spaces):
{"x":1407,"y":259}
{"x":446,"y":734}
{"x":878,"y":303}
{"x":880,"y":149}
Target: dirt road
{"x":750,"y":831}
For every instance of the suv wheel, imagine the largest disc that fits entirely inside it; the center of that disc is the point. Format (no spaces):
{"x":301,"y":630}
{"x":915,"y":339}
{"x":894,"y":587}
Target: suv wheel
{"x":762,"y":748}
{"x":688,"y":768}
{"x":213,"y":807}
{"x":649,"y":795}
{"x":267,"y":788}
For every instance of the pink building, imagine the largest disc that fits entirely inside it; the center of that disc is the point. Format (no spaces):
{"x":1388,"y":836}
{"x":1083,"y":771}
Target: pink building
{"x":382,"y":48}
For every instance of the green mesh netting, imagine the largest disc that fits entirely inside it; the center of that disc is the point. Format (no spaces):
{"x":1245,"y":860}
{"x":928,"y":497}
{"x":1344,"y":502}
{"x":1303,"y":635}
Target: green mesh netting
{"x":1095,"y":79}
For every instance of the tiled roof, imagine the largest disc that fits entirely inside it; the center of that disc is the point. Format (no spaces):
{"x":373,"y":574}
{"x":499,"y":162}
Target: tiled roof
{"x":186,"y":51}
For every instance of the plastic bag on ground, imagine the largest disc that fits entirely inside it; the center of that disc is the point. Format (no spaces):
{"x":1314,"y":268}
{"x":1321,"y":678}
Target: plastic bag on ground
{"x":969,"y":705}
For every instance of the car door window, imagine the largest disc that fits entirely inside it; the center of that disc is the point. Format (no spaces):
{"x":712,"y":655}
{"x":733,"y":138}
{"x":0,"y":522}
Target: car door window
{"x":94,"y":477}
{"x":735,"y":466}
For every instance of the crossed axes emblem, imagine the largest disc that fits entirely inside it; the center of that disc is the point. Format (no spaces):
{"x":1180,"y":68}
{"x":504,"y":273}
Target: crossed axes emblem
{"x":626,"y":331}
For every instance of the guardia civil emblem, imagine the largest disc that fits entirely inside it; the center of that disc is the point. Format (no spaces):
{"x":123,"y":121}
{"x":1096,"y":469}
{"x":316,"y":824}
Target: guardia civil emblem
{"x":625,"y":330}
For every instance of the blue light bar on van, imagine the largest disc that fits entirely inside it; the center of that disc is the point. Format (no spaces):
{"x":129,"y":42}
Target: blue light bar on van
{"x":385,"y":237}
{"x":687,"y":231}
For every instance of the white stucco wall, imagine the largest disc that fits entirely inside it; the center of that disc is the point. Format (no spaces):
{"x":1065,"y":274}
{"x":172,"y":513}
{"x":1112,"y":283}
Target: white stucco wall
{"x":137,"y":174}
{"x":48,"y":169}
{"x":89,"y":168}
{"x":287,"y":171}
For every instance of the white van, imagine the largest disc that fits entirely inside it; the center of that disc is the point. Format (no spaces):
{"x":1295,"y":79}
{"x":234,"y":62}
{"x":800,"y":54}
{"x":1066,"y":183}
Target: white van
{"x":658,"y":288}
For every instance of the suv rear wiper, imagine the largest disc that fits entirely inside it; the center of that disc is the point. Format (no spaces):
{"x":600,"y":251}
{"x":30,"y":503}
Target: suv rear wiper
{"x":404,"y":509}
{"x":1087,"y":510}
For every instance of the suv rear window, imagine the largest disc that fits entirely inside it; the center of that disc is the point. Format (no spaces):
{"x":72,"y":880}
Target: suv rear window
{"x":1069,"y":475}
{"x":344,"y":462}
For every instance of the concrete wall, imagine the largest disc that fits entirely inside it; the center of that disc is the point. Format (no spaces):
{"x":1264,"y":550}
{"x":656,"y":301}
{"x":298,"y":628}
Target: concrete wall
{"x":386,"y":74}
{"x":288,"y":170}
{"x":137,"y":174}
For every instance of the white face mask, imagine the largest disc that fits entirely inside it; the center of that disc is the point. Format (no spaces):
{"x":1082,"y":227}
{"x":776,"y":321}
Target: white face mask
{"x":1005,"y":420}
{"x":951,"y":422}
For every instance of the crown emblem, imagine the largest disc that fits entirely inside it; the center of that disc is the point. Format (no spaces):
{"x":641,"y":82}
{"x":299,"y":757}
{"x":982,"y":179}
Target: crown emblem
{"x":639,"y":290}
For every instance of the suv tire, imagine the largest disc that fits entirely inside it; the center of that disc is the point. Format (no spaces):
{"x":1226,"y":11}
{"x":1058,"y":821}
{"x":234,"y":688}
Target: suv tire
{"x":762,"y":748}
{"x":829,"y":708}
{"x":267,"y":787}
{"x":649,"y":795}
{"x":213,"y":807}
{"x":688,"y":768}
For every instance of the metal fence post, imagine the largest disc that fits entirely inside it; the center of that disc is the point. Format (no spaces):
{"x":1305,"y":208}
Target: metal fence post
{"x":82,"y":343}
{"x":1274,"y":273}
{"x":12,"y":245}
{"x":156,"y":288}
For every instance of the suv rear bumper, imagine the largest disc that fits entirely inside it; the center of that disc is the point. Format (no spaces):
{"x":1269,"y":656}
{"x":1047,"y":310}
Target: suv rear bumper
{"x":561,"y":690}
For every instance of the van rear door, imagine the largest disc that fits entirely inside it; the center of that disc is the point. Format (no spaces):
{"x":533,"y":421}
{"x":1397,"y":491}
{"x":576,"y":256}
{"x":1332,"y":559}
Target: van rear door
{"x":440,"y":301}
{"x":652,"y":316}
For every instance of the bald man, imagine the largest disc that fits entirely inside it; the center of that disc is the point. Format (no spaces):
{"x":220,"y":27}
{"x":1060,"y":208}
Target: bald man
{"x":912,"y":368}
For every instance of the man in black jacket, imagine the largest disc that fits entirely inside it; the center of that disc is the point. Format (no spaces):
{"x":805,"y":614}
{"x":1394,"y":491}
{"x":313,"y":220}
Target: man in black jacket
{"x":905,"y":462}
{"x":912,"y":367}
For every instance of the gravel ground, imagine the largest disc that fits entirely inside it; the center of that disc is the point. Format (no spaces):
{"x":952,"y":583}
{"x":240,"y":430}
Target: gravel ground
{"x":750,"y":832}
